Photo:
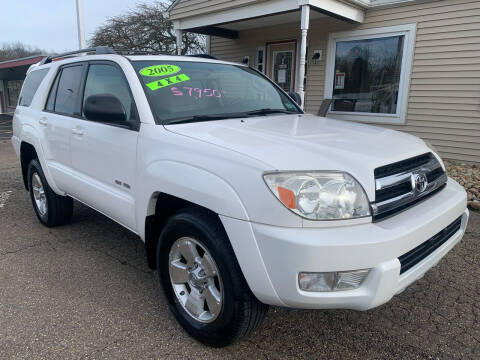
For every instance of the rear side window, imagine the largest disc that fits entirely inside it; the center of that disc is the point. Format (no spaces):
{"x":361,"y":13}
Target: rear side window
{"x":30,"y":86}
{"x":66,"y":100}
{"x":53,"y":93}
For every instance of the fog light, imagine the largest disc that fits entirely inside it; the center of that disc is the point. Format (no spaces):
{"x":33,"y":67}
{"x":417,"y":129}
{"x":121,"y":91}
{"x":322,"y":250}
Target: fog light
{"x":331,"y":281}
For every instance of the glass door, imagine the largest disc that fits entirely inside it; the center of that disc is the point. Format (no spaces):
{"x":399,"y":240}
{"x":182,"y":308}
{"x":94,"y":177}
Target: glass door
{"x":282,"y":64}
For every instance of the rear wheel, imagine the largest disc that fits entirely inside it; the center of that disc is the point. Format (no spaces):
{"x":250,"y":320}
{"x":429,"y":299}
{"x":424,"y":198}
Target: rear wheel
{"x":203,"y":282}
{"x":51,"y":209}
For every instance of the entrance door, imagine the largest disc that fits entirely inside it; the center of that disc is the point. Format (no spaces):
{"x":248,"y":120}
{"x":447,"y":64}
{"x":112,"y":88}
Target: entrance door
{"x":282,"y":59}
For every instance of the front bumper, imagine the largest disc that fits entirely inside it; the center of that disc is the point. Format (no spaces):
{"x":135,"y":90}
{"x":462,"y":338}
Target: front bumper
{"x":271,"y":267}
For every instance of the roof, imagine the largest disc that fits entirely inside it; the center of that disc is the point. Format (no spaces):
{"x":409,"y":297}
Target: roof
{"x":172,"y":5}
{"x":147,"y":57}
{"x":30,"y":60}
{"x":362,"y":3}
{"x":178,"y":58}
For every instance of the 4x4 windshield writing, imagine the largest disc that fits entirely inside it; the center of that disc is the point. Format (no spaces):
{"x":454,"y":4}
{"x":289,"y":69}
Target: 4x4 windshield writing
{"x":183,"y":91}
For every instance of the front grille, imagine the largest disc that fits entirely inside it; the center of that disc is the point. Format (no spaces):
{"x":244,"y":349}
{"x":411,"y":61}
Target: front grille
{"x":413,"y":257}
{"x":399,"y":185}
{"x":393,"y":191}
{"x":403,"y":165}
{"x":435,"y":174}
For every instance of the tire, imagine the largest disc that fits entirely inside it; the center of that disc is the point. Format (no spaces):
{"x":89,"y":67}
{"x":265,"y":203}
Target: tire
{"x":57,"y":210}
{"x":240,"y":311}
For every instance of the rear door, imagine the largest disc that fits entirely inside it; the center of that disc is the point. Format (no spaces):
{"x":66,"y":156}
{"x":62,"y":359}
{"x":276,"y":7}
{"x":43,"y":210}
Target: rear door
{"x":56,"y":122}
{"x":103,"y":154}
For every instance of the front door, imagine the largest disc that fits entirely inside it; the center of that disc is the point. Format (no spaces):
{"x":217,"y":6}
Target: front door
{"x":282,"y":59}
{"x":104,"y":154}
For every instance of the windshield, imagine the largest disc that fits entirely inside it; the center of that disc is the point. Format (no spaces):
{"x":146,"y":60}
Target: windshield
{"x":183,"y":91}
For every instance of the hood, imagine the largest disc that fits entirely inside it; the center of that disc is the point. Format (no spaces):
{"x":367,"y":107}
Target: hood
{"x":308,"y":142}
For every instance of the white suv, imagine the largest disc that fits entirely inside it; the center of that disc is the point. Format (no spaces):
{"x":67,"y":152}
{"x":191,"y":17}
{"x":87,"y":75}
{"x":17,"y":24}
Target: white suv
{"x":242,"y":200}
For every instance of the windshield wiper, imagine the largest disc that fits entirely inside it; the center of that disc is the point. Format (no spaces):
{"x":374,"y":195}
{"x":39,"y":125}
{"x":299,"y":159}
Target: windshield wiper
{"x":269,"y":111}
{"x":200,"y":118}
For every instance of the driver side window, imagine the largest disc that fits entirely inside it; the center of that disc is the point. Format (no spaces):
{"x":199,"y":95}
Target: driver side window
{"x":108,"y":79}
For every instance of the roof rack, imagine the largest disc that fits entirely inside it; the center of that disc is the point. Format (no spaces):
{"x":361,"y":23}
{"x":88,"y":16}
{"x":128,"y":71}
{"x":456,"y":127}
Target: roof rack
{"x":99,"y":50}
{"x":127,"y":52}
{"x":204,"y":56}
{"x":102,"y":50}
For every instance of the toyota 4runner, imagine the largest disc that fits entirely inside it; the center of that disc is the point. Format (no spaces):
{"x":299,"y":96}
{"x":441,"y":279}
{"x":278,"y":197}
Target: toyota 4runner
{"x":242,"y":199}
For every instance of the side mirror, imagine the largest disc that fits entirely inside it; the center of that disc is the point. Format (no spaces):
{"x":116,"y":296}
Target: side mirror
{"x":104,"y":108}
{"x":295,"y":97}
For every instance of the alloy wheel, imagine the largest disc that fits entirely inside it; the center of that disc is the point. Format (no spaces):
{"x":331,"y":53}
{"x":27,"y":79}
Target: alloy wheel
{"x":195,"y":279}
{"x":39,"y":194}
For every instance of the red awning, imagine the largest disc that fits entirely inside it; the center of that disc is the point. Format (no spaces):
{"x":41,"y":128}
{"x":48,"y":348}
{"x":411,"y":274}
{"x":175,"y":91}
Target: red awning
{"x":21,"y":62}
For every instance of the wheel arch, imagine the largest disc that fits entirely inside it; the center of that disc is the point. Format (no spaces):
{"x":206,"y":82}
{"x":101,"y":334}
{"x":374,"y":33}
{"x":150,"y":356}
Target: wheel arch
{"x":238,"y":233}
{"x":167,"y":187}
{"x":30,"y":138}
{"x":161,"y":207}
{"x":27,"y":154}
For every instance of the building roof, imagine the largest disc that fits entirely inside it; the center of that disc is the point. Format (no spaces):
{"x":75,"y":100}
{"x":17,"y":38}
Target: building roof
{"x":363,"y":3}
{"x":30,"y":60}
{"x":172,"y":5}
{"x":17,"y":69}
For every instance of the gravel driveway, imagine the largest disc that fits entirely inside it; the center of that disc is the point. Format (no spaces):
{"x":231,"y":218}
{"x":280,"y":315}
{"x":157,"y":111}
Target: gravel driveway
{"x":85,"y":291}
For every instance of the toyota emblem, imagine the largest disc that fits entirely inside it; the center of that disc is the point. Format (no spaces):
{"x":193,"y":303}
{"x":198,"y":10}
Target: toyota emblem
{"x":419,"y":182}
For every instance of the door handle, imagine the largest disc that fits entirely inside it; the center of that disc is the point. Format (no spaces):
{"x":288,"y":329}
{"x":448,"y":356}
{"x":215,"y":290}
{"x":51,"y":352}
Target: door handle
{"x":77,"y":132}
{"x":43,"y":121}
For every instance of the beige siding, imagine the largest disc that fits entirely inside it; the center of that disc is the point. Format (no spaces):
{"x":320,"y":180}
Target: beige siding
{"x":186,"y":8}
{"x":444,"y":103}
{"x":248,"y":41}
{"x":444,"y":97}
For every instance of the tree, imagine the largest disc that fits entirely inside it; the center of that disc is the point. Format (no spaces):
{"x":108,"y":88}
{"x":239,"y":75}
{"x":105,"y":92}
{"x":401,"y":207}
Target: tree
{"x":146,"y":28}
{"x":10,"y":51}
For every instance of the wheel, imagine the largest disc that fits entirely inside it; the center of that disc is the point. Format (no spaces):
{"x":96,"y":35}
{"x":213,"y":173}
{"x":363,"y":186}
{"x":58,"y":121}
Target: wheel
{"x":203,"y":282}
{"x":51,"y":209}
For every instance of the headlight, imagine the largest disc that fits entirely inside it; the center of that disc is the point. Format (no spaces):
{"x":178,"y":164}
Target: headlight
{"x":319,"y":195}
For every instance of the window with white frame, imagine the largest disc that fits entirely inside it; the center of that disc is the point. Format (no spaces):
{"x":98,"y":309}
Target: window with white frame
{"x":260,"y":59}
{"x":368,"y":73}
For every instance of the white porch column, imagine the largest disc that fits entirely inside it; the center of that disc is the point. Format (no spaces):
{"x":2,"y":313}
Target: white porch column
{"x":303,"y":52}
{"x":207,"y":44}
{"x":179,"y":34}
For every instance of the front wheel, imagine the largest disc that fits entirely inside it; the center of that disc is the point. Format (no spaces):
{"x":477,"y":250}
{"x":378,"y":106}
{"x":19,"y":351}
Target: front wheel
{"x":203,"y":282}
{"x":51,"y":209}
